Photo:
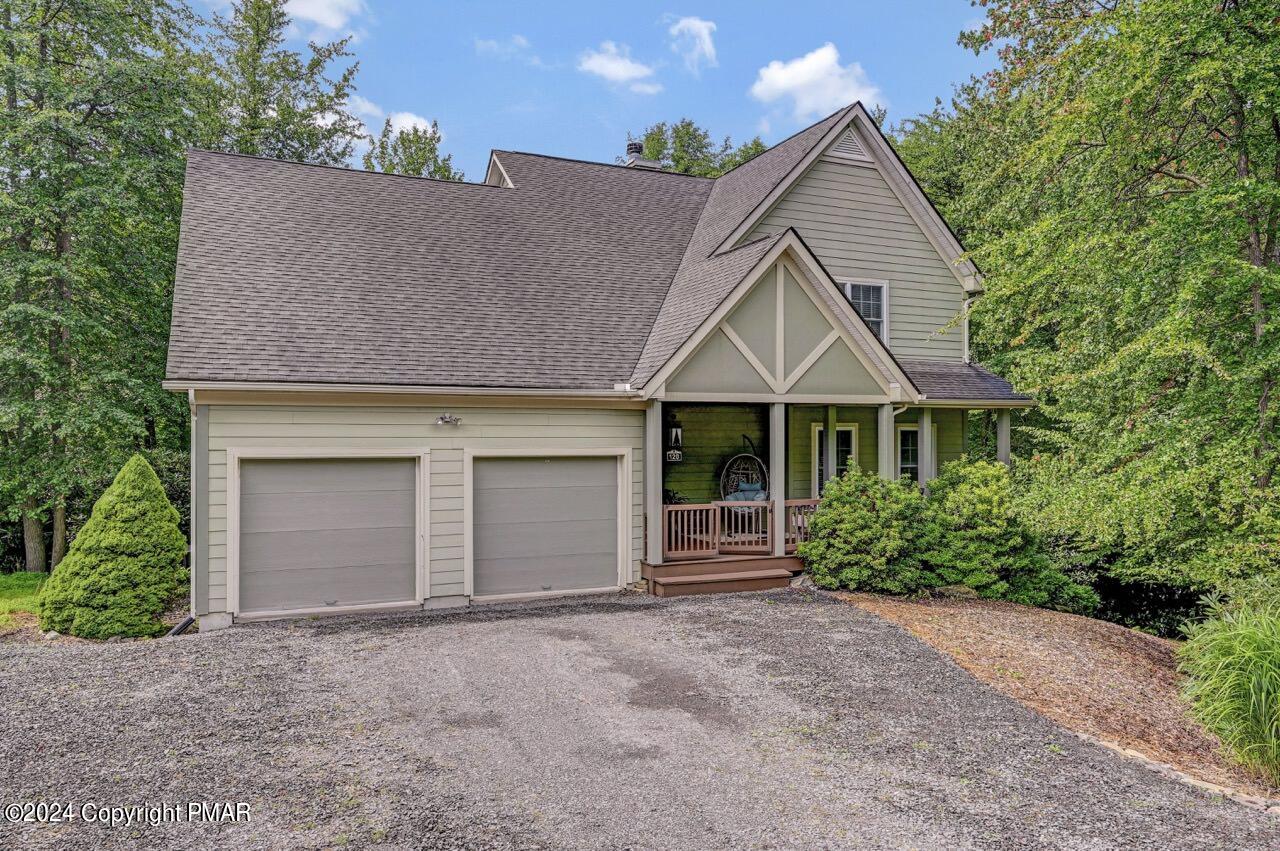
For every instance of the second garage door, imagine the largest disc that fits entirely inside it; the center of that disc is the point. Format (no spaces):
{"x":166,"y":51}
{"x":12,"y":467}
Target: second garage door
{"x":327,"y":533}
{"x":544,"y":524}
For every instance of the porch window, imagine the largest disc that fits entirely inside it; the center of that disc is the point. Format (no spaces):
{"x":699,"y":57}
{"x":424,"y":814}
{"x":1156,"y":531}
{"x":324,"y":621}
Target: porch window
{"x":868,"y":300}
{"x":909,"y":450}
{"x":846,"y":453}
{"x":909,"y":453}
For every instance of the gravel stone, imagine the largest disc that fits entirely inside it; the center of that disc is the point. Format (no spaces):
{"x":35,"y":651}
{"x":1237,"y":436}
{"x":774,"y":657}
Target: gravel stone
{"x":778,"y":720}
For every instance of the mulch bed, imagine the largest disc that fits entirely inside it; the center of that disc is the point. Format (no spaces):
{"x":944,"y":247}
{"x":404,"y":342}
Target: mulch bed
{"x":1106,"y":681}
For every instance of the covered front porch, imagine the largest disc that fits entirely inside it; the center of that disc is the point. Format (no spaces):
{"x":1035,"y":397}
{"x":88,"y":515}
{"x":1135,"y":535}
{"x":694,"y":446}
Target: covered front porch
{"x":731,"y":487}
{"x":781,"y":388}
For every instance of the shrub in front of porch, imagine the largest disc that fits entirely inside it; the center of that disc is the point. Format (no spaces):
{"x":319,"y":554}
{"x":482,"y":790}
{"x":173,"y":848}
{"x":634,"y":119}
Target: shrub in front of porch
{"x":869,"y":534}
{"x":985,"y":546}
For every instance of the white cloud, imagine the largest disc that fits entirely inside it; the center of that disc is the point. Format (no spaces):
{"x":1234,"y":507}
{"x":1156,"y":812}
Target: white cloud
{"x":613,"y":62}
{"x":373,"y":116}
{"x":502,"y":48}
{"x":407,"y":121}
{"x":362,"y":107}
{"x":816,"y":83}
{"x":513,"y":47}
{"x":646,"y":88}
{"x":329,"y":15}
{"x":691,"y":38}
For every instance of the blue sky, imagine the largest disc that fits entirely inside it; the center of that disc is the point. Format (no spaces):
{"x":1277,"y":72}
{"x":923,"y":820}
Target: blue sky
{"x":572,"y":78}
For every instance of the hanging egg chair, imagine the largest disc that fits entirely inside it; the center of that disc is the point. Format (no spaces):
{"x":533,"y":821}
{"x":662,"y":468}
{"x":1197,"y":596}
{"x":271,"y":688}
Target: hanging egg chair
{"x":744,"y":477}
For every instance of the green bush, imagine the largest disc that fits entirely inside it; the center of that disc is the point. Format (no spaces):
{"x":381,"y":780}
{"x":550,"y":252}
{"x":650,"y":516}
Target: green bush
{"x":986,"y":547}
{"x":868,"y":534}
{"x":1232,"y":663}
{"x":124,"y":567}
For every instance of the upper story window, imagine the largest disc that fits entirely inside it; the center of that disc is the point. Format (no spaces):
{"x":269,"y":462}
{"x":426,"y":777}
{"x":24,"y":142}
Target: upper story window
{"x":868,"y":300}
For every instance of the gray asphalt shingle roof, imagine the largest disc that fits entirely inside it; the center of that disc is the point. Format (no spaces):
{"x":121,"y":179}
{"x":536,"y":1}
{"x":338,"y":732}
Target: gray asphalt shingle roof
{"x":949,"y":380}
{"x":580,"y":276}
{"x":299,"y":273}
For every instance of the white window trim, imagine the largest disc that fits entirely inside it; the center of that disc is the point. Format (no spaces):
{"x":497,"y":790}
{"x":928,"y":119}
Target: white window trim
{"x":623,"y":454}
{"x":422,"y":496}
{"x":897,"y":447}
{"x":815,"y":487}
{"x":884,"y":301}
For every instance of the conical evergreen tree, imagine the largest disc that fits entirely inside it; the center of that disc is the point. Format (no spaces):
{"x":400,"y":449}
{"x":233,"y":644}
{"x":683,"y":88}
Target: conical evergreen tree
{"x":125,"y":566}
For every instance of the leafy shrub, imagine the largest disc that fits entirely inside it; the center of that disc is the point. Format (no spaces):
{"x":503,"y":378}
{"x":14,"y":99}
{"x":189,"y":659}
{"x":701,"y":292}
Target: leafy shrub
{"x":868,"y":534}
{"x":986,"y":547}
{"x":1232,"y":663}
{"x":125,"y":565}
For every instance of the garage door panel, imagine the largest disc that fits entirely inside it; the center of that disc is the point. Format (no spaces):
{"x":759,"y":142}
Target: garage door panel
{"x":279,"y":590}
{"x":318,"y":511}
{"x":524,"y":575}
{"x":585,"y":503}
{"x":326,"y":475}
{"x":327,"y":532}
{"x":269,"y":551}
{"x":544,"y":524}
{"x":540,"y":472}
{"x":506,"y":540}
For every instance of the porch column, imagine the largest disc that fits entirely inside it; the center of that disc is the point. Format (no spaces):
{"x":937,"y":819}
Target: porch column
{"x":653,"y":482}
{"x":884,"y":442}
{"x":928,"y":452}
{"x":778,"y":476}
{"x":1003,"y":439}
{"x":829,"y":447}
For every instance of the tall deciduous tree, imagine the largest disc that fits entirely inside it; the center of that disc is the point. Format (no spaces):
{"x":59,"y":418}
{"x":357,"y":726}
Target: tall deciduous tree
{"x":95,"y":116}
{"x":686,"y":148}
{"x":1118,"y":179}
{"x":278,"y":103}
{"x":414,"y":151}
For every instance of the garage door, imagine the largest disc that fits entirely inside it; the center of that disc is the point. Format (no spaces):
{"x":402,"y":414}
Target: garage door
{"x":544,"y":524}
{"x":326,"y":533}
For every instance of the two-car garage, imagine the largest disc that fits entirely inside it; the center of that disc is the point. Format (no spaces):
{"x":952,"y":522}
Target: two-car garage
{"x":319,"y":531}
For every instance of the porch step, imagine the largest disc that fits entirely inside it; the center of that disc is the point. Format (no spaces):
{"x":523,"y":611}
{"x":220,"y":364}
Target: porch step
{"x":720,"y":564}
{"x":721,"y":582}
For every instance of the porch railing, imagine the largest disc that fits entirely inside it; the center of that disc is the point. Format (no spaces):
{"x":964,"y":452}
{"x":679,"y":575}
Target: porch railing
{"x":703,"y":530}
{"x":799,"y":515}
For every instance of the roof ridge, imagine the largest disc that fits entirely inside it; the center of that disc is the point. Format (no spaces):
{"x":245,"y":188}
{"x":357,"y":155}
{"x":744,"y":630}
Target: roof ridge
{"x":604,"y":165}
{"x":341,"y":168}
{"x":779,"y":144}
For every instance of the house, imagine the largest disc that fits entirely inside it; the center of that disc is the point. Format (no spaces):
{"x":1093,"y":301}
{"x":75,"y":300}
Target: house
{"x":570,"y":377}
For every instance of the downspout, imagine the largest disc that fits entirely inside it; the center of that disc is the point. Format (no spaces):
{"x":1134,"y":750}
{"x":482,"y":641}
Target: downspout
{"x":191,"y":500}
{"x":965,"y":328}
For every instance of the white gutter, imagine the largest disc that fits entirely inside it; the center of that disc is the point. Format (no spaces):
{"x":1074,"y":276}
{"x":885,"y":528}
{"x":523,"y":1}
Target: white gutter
{"x":180,"y":385}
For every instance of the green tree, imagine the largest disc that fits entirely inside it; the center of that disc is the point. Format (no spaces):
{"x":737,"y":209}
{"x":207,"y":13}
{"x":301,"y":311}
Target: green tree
{"x":125,"y":566}
{"x":96,"y":112}
{"x":1117,"y":177}
{"x":414,"y":151}
{"x":278,"y":103}
{"x":686,"y":148}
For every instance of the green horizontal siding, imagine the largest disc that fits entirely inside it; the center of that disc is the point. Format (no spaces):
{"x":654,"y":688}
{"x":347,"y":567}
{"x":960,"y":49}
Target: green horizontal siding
{"x":712,"y":435}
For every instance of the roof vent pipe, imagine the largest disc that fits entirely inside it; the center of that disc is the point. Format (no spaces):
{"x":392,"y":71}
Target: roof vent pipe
{"x":635,"y":157}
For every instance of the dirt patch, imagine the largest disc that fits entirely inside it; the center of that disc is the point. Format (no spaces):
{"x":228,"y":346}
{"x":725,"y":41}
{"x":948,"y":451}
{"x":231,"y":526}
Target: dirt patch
{"x":1094,"y":677}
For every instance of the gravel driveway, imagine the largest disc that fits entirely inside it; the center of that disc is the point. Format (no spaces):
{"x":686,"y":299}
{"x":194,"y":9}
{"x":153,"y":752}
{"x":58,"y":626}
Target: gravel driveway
{"x":785,"y":719}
